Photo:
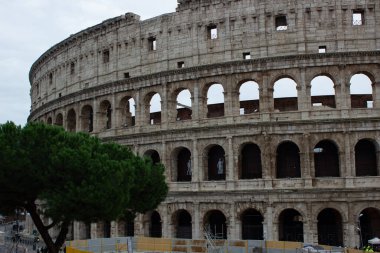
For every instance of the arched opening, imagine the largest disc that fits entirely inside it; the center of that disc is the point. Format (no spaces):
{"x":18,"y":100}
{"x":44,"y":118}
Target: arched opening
{"x":250,"y":163}
{"x":128,"y":111}
{"x":252,"y":225}
{"x":49,"y":121}
{"x":249,"y":98}
{"x":106,"y":229}
{"x":288,"y":160}
{"x":215,"y":101}
{"x":285,"y":95}
{"x":216,"y":163}
{"x":129,"y":228}
{"x":153,"y":155}
{"x":87,"y":230}
{"x":326,"y":159}
{"x":215,"y":224}
{"x":322,"y":92}
{"x":290,"y":226}
{"x":365,"y":158}
{"x":369,"y":224}
{"x":361,"y":91}
{"x":330,"y":227}
{"x":154,"y":109}
{"x":106,"y":114}
{"x":59,"y":120}
{"x":184,"y":110}
{"x":71,"y":120}
{"x":87,"y":118}
{"x":184,"y":168}
{"x":155,"y":225}
{"x":183,"y":224}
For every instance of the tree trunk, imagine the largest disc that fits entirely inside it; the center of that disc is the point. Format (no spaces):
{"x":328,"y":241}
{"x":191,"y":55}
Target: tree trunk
{"x":44,"y":230}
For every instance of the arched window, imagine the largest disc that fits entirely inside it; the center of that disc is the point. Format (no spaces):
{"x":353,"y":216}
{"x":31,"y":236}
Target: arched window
{"x":288,"y":160}
{"x":249,"y":98}
{"x":250,"y":163}
{"x":216,"y":163}
{"x":326,"y":159}
{"x":330,"y":227}
{"x":49,"y":121}
{"x":153,"y":155}
{"x":182,"y":223}
{"x":155,"y":226}
{"x":215,"y":224}
{"x":106,"y":114}
{"x":87,"y":118}
{"x":59,"y":120}
{"x":369,"y":223}
{"x":184,"y":110}
{"x":71,"y":120}
{"x":128,"y":111}
{"x":285,"y":95}
{"x":155,"y":109}
{"x":252,"y":225}
{"x":290,"y":226}
{"x":184,"y":166}
{"x":215,"y":101}
{"x":106,"y":229}
{"x":361,"y":91}
{"x":322,"y":92}
{"x":365,"y":158}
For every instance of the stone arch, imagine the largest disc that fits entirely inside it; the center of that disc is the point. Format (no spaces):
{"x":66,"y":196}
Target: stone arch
{"x":59,"y":120}
{"x":326,"y":159}
{"x":290,"y":225}
{"x":182,"y":165}
{"x":366,"y":158}
{"x":155,"y":225}
{"x":152,"y":103}
{"x":153,"y":155}
{"x":369,"y":224}
{"x":71,"y":120}
{"x":285,"y":94}
{"x":126,"y":227}
{"x":361,"y":91}
{"x":49,"y":121}
{"x":216,"y":163}
{"x":215,"y":223}
{"x":127,"y":112}
{"x":252,"y":225}
{"x":182,"y":224}
{"x":249,"y":97}
{"x":214,"y":96}
{"x":288,"y":160}
{"x":105,"y":114}
{"x":330,"y":227}
{"x":250,"y":165}
{"x":183,"y":98}
{"x":87,"y":118}
{"x":323,"y":91}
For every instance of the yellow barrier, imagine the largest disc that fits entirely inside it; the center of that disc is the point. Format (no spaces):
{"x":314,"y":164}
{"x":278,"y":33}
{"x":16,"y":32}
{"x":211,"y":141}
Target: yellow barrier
{"x":72,"y":250}
{"x":153,"y":244}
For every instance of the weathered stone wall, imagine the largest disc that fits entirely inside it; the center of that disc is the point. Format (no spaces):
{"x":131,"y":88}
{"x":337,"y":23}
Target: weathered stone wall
{"x":104,"y":66}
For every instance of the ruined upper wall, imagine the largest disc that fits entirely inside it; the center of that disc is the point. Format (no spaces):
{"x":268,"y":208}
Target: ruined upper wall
{"x":125,"y":46}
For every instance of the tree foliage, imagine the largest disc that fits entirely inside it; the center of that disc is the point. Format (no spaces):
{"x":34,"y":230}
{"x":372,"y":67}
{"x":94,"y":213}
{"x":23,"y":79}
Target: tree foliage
{"x":73,"y":177}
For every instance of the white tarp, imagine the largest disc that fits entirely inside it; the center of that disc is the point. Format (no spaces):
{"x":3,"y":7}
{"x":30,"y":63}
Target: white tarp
{"x":374,"y":241}
{"x":2,"y":238}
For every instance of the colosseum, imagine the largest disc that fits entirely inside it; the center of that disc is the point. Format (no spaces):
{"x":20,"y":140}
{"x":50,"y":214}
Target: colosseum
{"x":265,"y":113}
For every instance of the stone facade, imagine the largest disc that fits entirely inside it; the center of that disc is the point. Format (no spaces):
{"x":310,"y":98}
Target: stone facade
{"x":289,"y":170}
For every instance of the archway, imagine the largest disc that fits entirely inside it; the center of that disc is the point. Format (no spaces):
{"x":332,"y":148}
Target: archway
{"x":252,"y":225}
{"x":361,"y":91}
{"x":369,"y":224}
{"x":105,"y":114}
{"x":322,"y":92}
{"x":326,"y":159}
{"x":330,"y":227}
{"x":216,"y":163}
{"x":155,"y":226}
{"x":184,"y":109}
{"x":49,"y":121}
{"x":288,"y":160}
{"x":290,"y":226}
{"x":153,"y":155}
{"x":365,"y":158}
{"x":250,"y":163}
{"x":285,"y":95}
{"x":249,"y":98}
{"x":59,"y":120}
{"x":154,"y":108}
{"x":106,"y":229}
{"x":71,"y":120}
{"x":215,"y":101}
{"x":128,"y":111}
{"x":215,"y":224}
{"x":182,"y":221}
{"x":87,"y":118}
{"x":184,"y":167}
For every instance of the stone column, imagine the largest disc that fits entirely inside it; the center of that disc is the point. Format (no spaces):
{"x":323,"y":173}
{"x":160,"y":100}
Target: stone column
{"x":94,"y":230}
{"x":140,"y":110}
{"x":195,"y":103}
{"x":165,"y":219}
{"x":230,"y":158}
{"x":195,"y":177}
{"x":114,"y":115}
{"x":196,"y":222}
{"x":231,"y":226}
{"x":376,"y":94}
{"x":305,"y":160}
{"x":165,"y":161}
{"x":268,"y":224}
{"x":114,"y":229}
{"x":165,"y":110}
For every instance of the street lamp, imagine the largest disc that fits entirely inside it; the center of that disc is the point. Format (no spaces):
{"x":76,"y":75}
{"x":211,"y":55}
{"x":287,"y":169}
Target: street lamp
{"x":360,"y":231}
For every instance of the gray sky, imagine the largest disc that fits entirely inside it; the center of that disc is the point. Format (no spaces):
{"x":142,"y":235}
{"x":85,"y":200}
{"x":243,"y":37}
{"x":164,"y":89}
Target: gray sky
{"x":30,"y":27}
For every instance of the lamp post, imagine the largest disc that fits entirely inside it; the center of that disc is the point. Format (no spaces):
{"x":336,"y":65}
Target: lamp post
{"x":360,"y":231}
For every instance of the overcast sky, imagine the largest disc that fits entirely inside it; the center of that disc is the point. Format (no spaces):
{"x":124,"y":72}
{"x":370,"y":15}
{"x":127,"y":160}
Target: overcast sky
{"x":30,"y":27}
